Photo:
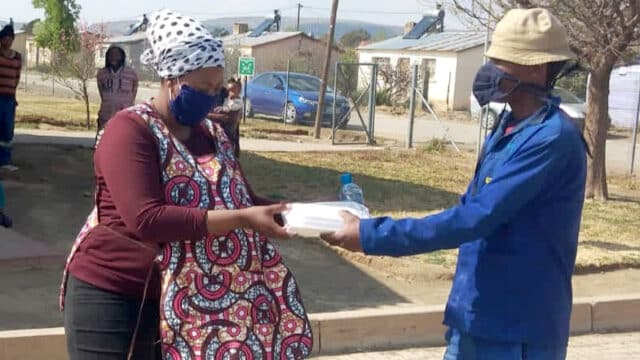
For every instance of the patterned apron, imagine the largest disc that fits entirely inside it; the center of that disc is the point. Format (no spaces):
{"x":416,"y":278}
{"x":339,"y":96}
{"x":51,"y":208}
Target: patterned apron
{"x":223,"y":297}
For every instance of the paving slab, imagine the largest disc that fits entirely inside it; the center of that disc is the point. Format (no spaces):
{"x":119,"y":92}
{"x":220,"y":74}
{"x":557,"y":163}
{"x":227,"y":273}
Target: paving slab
{"x":19,"y":251}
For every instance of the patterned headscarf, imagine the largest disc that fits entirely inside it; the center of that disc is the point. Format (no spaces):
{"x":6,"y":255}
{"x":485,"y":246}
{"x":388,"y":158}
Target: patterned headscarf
{"x":180,"y":45}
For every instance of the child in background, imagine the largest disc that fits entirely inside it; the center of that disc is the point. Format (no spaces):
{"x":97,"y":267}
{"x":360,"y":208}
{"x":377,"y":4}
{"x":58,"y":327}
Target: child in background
{"x":229,"y":113}
{"x":4,"y":219}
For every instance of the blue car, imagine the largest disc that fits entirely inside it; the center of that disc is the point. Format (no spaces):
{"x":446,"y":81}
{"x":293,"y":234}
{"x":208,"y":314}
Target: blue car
{"x":267,"y":94}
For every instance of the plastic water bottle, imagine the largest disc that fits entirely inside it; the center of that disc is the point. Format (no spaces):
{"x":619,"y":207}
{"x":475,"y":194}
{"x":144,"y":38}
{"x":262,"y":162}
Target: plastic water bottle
{"x":350,"y":191}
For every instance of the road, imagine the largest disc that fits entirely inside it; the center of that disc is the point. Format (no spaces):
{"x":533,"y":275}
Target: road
{"x":465,"y":134}
{"x":590,"y":347}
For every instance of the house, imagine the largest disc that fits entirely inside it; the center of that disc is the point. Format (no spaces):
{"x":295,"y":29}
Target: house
{"x":272,"y":50}
{"x":449,"y":59}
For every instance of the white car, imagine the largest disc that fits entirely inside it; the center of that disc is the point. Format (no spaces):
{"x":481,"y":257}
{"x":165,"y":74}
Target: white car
{"x":572,"y":105}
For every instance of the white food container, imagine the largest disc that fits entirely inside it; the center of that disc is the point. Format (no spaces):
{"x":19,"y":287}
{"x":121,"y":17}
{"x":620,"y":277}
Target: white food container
{"x":313,"y":219}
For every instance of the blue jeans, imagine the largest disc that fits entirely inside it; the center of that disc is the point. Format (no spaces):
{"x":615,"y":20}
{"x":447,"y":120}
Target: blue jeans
{"x":465,"y":347}
{"x":2,"y":198}
{"x":7,"y":123}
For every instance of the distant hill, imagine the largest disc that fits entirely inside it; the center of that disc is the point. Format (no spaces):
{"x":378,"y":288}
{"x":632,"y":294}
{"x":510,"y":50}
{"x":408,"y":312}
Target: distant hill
{"x":315,"y":26}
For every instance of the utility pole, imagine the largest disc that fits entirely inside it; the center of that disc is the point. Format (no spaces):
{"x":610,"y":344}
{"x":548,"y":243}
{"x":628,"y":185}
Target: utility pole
{"x":298,"y":21}
{"x":325,"y":69}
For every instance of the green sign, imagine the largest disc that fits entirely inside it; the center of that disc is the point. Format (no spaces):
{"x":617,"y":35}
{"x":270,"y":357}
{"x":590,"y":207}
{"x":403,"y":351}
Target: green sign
{"x":246,"y":66}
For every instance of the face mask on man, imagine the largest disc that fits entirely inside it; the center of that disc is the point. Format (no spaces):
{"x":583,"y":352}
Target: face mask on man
{"x":191,"y":106}
{"x":488,"y":85}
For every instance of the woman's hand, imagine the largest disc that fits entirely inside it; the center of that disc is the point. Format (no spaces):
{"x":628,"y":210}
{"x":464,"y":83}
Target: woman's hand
{"x":263,"y":219}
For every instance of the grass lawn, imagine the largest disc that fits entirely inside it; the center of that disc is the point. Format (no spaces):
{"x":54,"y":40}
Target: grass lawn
{"x":402,"y":183}
{"x":36,"y":110}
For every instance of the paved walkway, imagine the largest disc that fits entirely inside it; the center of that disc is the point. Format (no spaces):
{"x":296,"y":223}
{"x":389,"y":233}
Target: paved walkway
{"x":87,"y":138}
{"x":589,"y":347}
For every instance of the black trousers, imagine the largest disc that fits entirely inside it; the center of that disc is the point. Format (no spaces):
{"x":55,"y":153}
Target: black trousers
{"x":99,"y":324}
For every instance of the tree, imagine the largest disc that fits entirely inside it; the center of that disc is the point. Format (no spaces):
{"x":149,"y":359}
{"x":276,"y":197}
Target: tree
{"x":353,"y":38}
{"x":74,"y":68}
{"x":396,"y":83}
{"x":57,"y":31}
{"x":219,"y":31}
{"x":380,"y":36}
{"x":600,"y":33}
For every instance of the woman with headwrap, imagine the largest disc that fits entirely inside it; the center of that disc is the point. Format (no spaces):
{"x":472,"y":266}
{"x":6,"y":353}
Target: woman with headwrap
{"x":171,"y":192}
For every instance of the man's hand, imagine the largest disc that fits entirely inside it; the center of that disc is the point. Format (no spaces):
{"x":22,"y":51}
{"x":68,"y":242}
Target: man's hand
{"x":349,"y":236}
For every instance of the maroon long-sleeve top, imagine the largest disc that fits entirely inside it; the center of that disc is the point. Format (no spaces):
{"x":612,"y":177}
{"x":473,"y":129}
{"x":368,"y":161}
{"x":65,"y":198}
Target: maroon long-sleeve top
{"x":134,"y":216}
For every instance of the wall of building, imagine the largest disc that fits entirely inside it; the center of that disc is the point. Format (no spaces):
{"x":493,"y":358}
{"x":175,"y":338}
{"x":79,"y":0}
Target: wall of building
{"x":469,"y":61}
{"x":441,"y":85}
{"x":306,"y":55}
{"x":35,"y":55}
{"x":450,"y":86}
{"x":20,"y":44}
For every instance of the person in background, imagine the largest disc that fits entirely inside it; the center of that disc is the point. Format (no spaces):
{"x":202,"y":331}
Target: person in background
{"x":10,"y":67}
{"x":229,"y":114}
{"x":517,"y":225}
{"x":177,"y":245}
{"x":117,"y":85}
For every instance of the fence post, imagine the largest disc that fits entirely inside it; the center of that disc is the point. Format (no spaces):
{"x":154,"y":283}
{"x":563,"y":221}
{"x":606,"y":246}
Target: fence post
{"x":634,"y":138}
{"x":412,"y":105}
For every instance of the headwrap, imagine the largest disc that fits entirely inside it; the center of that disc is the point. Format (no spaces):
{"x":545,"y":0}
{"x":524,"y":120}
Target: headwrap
{"x":7,"y":30}
{"x":180,"y":45}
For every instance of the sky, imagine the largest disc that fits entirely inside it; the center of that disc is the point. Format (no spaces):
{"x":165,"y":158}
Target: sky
{"x":395,"y":12}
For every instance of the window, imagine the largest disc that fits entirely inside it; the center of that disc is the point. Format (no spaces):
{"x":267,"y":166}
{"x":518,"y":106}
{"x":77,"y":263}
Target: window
{"x":383,"y":62}
{"x":264,"y":80}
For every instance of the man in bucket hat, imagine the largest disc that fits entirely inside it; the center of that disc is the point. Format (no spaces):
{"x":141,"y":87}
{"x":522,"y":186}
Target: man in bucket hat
{"x":517,"y":225}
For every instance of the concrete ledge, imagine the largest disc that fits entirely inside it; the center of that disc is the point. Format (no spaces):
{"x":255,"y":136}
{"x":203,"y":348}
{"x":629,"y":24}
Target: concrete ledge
{"x":367,"y":329}
{"x":616,"y":313}
{"x":36,"y":344}
{"x":380,"y":329}
{"x":581,"y":322}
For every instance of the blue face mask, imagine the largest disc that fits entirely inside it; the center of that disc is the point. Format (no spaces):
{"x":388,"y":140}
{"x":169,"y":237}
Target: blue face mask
{"x":486,"y":86}
{"x":191,"y":106}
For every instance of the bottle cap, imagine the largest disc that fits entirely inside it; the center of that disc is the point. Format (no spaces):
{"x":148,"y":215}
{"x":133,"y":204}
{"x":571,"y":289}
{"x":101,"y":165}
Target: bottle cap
{"x":346,"y":178}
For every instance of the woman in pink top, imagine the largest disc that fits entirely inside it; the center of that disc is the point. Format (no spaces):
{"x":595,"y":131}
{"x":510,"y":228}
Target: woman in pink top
{"x":177,"y":246}
{"x":117,"y":84}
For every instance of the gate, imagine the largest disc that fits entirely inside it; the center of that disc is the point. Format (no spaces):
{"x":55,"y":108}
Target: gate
{"x":353,"y":104}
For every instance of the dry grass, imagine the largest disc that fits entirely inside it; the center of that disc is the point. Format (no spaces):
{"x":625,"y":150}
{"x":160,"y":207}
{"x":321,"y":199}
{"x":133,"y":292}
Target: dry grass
{"x":38,"y":111}
{"x":417,"y":183}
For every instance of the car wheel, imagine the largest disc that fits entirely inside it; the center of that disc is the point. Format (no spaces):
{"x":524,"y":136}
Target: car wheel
{"x":248,"y":110}
{"x":290,"y":114}
{"x":343,"y":125}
